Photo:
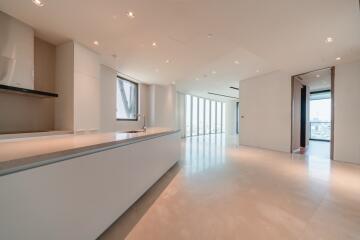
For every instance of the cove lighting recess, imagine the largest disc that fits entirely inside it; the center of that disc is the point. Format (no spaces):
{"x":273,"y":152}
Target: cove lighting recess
{"x":38,"y":3}
{"x":130,"y":14}
{"x":329,"y":40}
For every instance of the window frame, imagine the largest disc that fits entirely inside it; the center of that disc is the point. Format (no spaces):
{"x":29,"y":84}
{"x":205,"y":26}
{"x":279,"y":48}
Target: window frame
{"x":118,"y":78}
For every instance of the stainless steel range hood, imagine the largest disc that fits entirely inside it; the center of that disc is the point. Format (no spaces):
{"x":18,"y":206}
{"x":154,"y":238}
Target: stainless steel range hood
{"x":17,"y":57}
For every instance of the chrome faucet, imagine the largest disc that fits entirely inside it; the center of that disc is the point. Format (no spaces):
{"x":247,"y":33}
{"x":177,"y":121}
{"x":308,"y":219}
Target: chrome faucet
{"x":144,"y":125}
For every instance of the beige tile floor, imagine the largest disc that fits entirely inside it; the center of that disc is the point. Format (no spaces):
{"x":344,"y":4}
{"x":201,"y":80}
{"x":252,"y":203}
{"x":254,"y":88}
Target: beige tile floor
{"x":224,"y":191}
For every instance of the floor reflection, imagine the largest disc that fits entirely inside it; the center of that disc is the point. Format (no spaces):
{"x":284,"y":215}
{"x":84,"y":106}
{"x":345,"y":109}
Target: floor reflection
{"x":226,"y":191}
{"x":204,"y":152}
{"x":319,"y":167}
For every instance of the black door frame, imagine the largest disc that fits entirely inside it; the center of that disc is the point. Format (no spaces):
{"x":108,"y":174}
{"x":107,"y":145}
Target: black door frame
{"x":303,"y":117}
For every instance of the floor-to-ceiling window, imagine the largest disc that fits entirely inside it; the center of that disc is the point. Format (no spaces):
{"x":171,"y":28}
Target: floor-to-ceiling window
{"x":194,"y":116}
{"x":223,"y":118}
{"x":212,"y":116}
{"x":188,"y":115}
{"x":320,"y":116}
{"x":207,"y":116}
{"x":201,"y":116}
{"x":218,"y":117}
{"x":204,"y":116}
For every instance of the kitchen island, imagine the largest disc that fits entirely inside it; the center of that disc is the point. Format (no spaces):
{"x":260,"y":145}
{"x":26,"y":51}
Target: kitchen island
{"x":76,"y":186}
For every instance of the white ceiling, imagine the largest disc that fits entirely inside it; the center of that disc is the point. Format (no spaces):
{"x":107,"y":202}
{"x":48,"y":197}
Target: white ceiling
{"x":317,"y":80}
{"x":260,"y":34}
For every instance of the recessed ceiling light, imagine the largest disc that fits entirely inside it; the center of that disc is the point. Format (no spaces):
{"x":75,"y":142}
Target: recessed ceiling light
{"x":329,"y":39}
{"x":213,"y":72}
{"x":317,"y":75}
{"x":39,"y":3}
{"x":96,"y":43}
{"x":338,"y":58}
{"x":236,"y":62}
{"x":154,"y":44}
{"x":257,"y":70}
{"x":167,"y":61}
{"x":130,"y":14}
{"x":210,"y":35}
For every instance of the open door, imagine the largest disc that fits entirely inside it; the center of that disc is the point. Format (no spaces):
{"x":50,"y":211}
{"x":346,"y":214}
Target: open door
{"x":312,"y":113}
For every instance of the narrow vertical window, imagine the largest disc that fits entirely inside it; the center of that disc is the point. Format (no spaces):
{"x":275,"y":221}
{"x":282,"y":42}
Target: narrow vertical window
{"x":207,"y":116}
{"x":126,"y":100}
{"x":201,"y":116}
{"x":223,"y":120}
{"x":194,"y":116}
{"x":218,"y":116}
{"x":188,"y":116}
{"x":213,"y":117}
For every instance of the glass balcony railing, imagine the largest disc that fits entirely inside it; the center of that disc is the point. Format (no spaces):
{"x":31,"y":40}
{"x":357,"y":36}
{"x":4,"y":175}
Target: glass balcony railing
{"x":320,"y":131}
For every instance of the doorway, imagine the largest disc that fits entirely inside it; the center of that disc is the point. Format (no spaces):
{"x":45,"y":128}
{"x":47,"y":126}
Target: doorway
{"x":312,"y":108}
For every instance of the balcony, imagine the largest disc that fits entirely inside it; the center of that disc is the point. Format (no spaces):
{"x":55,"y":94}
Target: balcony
{"x":320,"y":131}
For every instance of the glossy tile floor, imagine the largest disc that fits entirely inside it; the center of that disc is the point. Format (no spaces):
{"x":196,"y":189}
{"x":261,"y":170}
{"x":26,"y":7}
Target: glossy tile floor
{"x":224,"y":191}
{"x":319,"y":149}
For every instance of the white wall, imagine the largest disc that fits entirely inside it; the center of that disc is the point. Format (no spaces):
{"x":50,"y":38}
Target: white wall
{"x":180,"y":113}
{"x":230,"y":117}
{"x":163,"y":106}
{"x":77,"y":82}
{"x":265,"y":104}
{"x":108,"y":120}
{"x":347,"y":113}
{"x":64,"y":86}
{"x":86,"y":89}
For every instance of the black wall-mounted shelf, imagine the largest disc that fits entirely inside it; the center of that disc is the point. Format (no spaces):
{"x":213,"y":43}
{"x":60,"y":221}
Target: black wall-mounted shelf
{"x":25,"y":91}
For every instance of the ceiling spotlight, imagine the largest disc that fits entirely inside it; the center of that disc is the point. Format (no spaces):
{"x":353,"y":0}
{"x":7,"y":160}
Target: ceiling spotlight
{"x":213,"y":72}
{"x":154,"y":44}
{"x":38,"y":3}
{"x":96,"y":43}
{"x":338,"y":58}
{"x":329,"y":39}
{"x":236,"y":62}
{"x":130,"y":14}
{"x":317,"y":75}
{"x":167,"y":61}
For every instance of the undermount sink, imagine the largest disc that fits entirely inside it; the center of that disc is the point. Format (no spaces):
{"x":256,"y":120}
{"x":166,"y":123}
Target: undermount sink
{"x":134,"y":131}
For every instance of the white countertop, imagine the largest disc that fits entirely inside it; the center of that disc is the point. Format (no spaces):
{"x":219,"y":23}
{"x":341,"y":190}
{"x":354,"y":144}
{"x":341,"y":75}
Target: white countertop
{"x":20,"y":154}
